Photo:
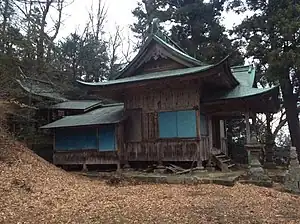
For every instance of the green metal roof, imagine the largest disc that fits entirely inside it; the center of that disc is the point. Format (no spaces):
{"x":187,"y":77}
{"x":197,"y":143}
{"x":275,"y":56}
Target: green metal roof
{"x":152,"y":76}
{"x":41,"y":89}
{"x":77,"y":105}
{"x":111,"y":114}
{"x":178,"y":52}
{"x":244,"y":74}
{"x":241,"y":91}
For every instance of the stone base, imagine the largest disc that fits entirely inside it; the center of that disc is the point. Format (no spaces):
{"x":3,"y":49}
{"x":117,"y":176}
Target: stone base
{"x":269,"y":165}
{"x":160,"y":171}
{"x":292,"y":177}
{"x":258,"y":183}
{"x":292,"y":180}
{"x":199,"y":169}
{"x":258,"y":174}
{"x":84,"y":168}
{"x":127,"y":168}
{"x":210,"y":169}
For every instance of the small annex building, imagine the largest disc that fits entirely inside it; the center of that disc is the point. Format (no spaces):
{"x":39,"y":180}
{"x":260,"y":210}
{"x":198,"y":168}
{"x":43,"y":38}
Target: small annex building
{"x":90,"y":138}
{"x":174,"y":110}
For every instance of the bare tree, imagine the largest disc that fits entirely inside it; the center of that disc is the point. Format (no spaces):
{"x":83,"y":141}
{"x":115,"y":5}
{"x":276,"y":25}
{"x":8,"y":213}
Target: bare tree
{"x":45,"y":39}
{"x":114,"y":44}
{"x":97,"y":20}
{"x":127,"y":48}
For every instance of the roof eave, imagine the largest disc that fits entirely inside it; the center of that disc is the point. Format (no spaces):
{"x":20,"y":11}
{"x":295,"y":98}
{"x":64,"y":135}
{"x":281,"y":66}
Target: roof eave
{"x":85,"y":125}
{"x":232,"y":80}
{"x":274,"y":90}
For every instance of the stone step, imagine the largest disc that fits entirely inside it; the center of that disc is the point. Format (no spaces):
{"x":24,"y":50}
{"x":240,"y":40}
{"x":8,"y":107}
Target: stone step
{"x":225,"y":160}
{"x":231,"y":165}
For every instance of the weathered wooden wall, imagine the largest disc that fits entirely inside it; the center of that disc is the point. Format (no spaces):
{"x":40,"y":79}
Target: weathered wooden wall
{"x":144,"y":143}
{"x":89,"y":157}
{"x":94,"y":155}
{"x":168,"y":150}
{"x":163,"y":100}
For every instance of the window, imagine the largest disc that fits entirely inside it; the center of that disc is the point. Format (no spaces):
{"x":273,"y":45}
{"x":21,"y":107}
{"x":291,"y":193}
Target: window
{"x":177,"y":124}
{"x":76,"y":139}
{"x":203,"y":125}
{"x":107,"y":138}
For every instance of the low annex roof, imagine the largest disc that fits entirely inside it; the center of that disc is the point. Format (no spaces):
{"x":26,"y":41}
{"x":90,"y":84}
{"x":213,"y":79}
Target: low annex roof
{"x":84,"y":105}
{"x":241,"y":91}
{"x":110,"y":114}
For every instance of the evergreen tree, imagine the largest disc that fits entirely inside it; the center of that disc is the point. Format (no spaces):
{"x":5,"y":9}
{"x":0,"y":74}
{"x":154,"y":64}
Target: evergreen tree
{"x":196,"y":27}
{"x":85,"y":58}
{"x":271,"y":37}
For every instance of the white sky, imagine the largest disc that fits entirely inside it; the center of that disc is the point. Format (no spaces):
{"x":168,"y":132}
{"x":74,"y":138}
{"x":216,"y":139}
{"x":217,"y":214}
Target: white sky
{"x":119,"y":12}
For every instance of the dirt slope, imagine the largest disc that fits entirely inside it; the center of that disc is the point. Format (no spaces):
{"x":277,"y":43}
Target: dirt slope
{"x":34,"y":191}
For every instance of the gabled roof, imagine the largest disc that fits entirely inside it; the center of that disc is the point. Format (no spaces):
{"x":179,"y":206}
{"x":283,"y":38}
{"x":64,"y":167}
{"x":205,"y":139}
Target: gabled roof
{"x":152,"y":76}
{"x":110,"y":114}
{"x":176,"y":52}
{"x":244,"y":74}
{"x":198,"y":70}
{"x":84,"y":105}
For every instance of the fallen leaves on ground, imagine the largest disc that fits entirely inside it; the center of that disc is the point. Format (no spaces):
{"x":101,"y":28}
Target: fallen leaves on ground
{"x":34,"y":191}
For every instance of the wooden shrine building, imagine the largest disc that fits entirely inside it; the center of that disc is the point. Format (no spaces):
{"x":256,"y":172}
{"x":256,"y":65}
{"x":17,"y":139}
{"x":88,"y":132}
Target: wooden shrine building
{"x":173,"y":110}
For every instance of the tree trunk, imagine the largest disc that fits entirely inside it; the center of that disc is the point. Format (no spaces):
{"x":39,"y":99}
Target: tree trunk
{"x":290,"y":104}
{"x":269,"y":151}
{"x":40,"y":47}
{"x":4,"y":24}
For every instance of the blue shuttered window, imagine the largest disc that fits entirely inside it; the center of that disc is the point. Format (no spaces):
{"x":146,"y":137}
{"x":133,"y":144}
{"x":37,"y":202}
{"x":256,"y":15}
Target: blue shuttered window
{"x":186,"y":124}
{"x":181,"y":124}
{"x":76,"y":139}
{"x":167,"y":124}
{"x":107,"y":138}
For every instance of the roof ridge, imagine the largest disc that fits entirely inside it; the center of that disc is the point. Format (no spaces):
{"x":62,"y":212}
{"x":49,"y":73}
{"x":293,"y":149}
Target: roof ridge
{"x":169,"y":40}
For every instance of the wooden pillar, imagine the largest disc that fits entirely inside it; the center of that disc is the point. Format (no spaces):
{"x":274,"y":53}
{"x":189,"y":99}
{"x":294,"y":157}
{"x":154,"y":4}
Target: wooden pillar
{"x":222,"y":137}
{"x":210,"y":132}
{"x":248,"y":131}
{"x":222,"y":129}
{"x":199,"y":145}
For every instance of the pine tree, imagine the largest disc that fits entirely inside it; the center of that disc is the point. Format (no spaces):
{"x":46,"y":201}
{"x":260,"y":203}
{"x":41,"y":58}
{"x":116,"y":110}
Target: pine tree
{"x":196,"y":27}
{"x":271,"y":37}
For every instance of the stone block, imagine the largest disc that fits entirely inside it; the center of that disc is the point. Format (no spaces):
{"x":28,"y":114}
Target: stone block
{"x":292,"y":176}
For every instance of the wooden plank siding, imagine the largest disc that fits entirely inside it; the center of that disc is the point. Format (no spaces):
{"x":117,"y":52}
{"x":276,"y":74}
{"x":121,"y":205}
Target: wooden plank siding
{"x":163,"y":100}
{"x":92,"y":156}
{"x":154,"y":148}
{"x":168,"y":150}
{"x":88,"y":157}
